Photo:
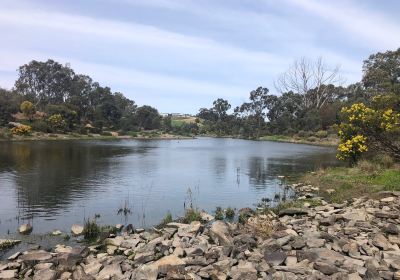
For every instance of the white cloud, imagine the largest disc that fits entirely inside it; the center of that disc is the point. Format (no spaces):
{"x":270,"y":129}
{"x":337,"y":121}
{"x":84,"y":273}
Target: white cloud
{"x":370,"y":26}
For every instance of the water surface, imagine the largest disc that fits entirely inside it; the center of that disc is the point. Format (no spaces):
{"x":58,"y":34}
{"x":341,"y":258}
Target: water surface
{"x":53,"y":184}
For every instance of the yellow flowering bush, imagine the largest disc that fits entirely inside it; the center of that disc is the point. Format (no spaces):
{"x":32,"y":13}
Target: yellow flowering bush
{"x":56,"y":122}
{"x":364,"y":128}
{"x":21,"y":130}
{"x":352,"y":147}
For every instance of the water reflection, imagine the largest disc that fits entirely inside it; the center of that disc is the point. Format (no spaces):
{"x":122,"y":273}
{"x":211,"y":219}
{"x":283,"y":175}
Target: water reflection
{"x":58,"y":183}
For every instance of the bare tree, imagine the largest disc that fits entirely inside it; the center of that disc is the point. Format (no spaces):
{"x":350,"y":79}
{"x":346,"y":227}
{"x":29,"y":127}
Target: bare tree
{"x":310,"y":79}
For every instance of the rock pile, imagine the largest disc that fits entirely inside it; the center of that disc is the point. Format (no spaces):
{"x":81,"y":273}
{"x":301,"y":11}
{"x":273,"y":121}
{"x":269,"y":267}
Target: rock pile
{"x":359,"y":240}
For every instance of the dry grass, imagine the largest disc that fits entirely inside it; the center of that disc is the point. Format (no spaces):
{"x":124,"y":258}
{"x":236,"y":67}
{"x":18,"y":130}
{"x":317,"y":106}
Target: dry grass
{"x":260,"y":225}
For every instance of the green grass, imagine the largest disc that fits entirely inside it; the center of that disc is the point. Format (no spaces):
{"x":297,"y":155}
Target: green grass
{"x":367,"y":178}
{"x":301,"y":140}
{"x":299,"y":203}
{"x":179,"y":121}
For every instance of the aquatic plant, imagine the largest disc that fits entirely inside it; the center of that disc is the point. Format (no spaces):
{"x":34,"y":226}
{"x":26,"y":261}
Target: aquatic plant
{"x":192,"y":215}
{"x":230,"y":213}
{"x":219,"y":214}
{"x":91,"y":230}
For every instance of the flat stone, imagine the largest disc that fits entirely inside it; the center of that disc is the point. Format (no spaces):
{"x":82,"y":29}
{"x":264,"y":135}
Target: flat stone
{"x":56,"y":233}
{"x":45,"y":274}
{"x":244,"y":270}
{"x":386,"y":215}
{"x":110,"y":271}
{"x":92,"y":268}
{"x":298,"y":243}
{"x":391,"y":228}
{"x":166,"y":263}
{"x":275,"y":258}
{"x":325,"y":268}
{"x":293,"y":211}
{"x":388,"y":199}
{"x":14,"y":256}
{"x":381,"y":242}
{"x":38,"y":255}
{"x":315,"y":243}
{"x":8,"y":274}
{"x":25,"y":229}
{"x":77,"y":230}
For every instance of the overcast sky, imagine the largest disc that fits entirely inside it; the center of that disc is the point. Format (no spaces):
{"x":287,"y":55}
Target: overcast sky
{"x":180,"y":55}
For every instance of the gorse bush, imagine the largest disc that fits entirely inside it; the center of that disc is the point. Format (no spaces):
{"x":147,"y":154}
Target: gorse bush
{"x":21,"y":130}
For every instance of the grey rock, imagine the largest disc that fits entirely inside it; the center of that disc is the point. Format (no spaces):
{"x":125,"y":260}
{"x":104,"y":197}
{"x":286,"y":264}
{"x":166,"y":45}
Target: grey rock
{"x":325,"y":268}
{"x":275,"y":258}
{"x":45,"y":274}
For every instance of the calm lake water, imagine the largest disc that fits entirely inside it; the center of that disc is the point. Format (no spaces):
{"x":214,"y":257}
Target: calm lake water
{"x":53,"y":184}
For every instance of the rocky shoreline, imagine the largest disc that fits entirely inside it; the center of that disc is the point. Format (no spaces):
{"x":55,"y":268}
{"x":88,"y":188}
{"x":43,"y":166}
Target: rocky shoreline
{"x":355,"y":240}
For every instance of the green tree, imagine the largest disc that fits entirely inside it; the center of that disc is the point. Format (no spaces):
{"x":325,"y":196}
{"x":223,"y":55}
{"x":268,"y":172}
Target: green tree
{"x":9,"y":104}
{"x":148,"y":118}
{"x":45,"y":82}
{"x":381,"y":72}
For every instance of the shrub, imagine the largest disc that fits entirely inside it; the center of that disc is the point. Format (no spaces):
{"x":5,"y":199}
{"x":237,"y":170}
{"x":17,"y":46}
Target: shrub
{"x":91,"y":230}
{"x":41,"y":126}
{"x":5,"y":133}
{"x":312,"y":139}
{"x":219,"y":214}
{"x":304,"y":134}
{"x":106,"y":133}
{"x":230,"y":213}
{"x":192,"y":215}
{"x":167,"y":219}
{"x":21,"y":130}
{"x":28,"y":109}
{"x":367,"y":166}
{"x":57,"y":123}
{"x":376,"y":127}
{"x":321,"y":134}
{"x":385,"y":160}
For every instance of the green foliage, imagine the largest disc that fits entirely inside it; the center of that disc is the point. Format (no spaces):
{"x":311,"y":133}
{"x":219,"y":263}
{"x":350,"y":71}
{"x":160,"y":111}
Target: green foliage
{"x":321,"y":134}
{"x":41,"y":126}
{"x":91,"y":230}
{"x":9,"y":104}
{"x":28,"y":109}
{"x":382,"y":73}
{"x":219,"y":213}
{"x":57,"y":123}
{"x":229,"y":213}
{"x":192,"y":215}
{"x":364,"y":128}
{"x":167,"y":219}
{"x":148,"y":118}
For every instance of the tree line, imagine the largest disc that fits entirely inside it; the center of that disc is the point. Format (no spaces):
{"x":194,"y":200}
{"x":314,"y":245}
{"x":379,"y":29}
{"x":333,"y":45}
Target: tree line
{"x":312,"y":102}
{"x":71,"y":102}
